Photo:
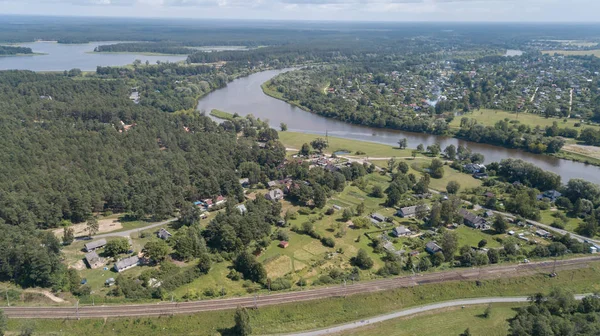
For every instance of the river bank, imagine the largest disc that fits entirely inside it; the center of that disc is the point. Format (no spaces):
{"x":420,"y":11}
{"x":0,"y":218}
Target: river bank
{"x":570,"y":155}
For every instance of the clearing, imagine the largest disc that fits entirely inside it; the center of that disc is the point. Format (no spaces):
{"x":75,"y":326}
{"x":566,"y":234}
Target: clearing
{"x":108,"y":224}
{"x":490,"y":117}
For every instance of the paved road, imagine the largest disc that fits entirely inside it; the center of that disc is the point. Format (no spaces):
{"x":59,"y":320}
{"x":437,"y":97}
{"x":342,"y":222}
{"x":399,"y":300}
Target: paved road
{"x":165,"y":309}
{"x":129,"y":232}
{"x":416,"y":310}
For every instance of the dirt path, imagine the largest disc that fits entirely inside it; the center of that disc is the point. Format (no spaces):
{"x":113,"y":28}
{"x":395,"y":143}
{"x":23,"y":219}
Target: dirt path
{"x":47,"y":294}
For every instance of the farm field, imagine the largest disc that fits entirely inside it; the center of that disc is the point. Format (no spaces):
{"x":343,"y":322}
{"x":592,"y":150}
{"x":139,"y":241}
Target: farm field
{"x":595,"y":52}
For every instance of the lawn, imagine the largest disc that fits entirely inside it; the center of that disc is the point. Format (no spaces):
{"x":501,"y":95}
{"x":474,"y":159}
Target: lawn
{"x":491,"y":117}
{"x":547,"y":218}
{"x":471,"y":237}
{"x":320,"y":313}
{"x":466,"y":181}
{"x":372,"y":149}
{"x":222,"y":114}
{"x":450,"y":321}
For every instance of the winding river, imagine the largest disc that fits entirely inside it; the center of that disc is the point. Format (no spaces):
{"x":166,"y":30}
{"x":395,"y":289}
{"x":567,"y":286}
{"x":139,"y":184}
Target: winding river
{"x":244,"y":96}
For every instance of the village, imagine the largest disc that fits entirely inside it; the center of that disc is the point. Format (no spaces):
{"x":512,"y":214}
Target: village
{"x":355,"y":220}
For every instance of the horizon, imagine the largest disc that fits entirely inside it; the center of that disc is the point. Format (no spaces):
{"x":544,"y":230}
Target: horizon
{"x":366,"y":11}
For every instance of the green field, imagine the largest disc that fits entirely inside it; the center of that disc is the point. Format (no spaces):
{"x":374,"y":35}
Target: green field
{"x":295,"y":140}
{"x":594,"y":52}
{"x":222,"y":114}
{"x":319,"y":313}
{"x":451,"y":321}
{"x":491,"y":117}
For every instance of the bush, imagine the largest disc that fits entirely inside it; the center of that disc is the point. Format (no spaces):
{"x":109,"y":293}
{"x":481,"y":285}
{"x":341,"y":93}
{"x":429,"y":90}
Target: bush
{"x":328,"y":241}
{"x":280,"y":284}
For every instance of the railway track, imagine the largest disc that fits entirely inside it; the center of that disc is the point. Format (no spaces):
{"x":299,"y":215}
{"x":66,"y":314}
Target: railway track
{"x":161,"y":309}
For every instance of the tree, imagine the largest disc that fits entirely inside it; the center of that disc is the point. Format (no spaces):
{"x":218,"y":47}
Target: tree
{"x":391,"y":165}
{"x":488,"y":311}
{"x":482,"y":243}
{"x":92,"y":226}
{"x":68,"y":235}
{"x":403,"y":167}
{"x":589,"y":227}
{"x":493,"y":256}
{"x":319,"y":197}
{"x":402,"y":143}
{"x":360,"y":209}
{"x":189,"y":214}
{"x":467,"y":332}
{"x":420,"y":148}
{"x":434,"y":149}
{"x":156,"y":250}
{"x":116,"y":246}
{"x":500,"y":224}
{"x":347,"y":214}
{"x":362,"y":260}
{"x":414,"y":153}
{"x":204,"y":263}
{"x":377,"y":191}
{"x":452,"y":187}
{"x":436,"y":168}
{"x":319,"y":144}
{"x":283,"y":127}
{"x":422,"y":187}
{"x":305,"y":149}
{"x":437,"y":259}
{"x":450,"y":152}
{"x":247,"y":264}
{"x":242,"y":322}
{"x":424,"y":264}
{"x":449,"y":245}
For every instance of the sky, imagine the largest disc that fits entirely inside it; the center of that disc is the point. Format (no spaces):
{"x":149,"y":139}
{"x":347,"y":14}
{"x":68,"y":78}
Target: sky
{"x":346,"y":10}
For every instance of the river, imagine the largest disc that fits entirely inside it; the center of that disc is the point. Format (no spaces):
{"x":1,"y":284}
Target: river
{"x":244,"y":96}
{"x":59,"y":57}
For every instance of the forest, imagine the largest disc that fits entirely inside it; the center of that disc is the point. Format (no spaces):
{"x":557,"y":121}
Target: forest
{"x":156,"y":47}
{"x":13,"y":50}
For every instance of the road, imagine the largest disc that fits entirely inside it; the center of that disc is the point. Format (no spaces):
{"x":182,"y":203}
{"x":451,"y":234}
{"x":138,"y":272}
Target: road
{"x":129,"y":232}
{"x":416,"y":310}
{"x":165,"y":309}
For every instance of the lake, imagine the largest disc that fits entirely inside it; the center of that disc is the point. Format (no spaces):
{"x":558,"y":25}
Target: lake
{"x":61,"y":57}
{"x":244,"y":96}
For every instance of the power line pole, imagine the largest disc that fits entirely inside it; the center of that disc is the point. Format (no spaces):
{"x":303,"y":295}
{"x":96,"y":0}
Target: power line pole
{"x":7,"y":300}
{"x":77,"y":308}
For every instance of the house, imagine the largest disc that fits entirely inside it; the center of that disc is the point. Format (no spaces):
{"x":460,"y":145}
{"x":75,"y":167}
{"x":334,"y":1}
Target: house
{"x":242,"y":208}
{"x":543,"y":233}
{"x":411,"y":211}
{"x":488,"y":214}
{"x":164,"y":234}
{"x":126,"y":263}
{"x":100,"y":243}
{"x":401,"y":231}
{"x":93,"y":260}
{"x":109,"y":282}
{"x":593,"y":249}
{"x":550,"y":195}
{"x":489,"y":194}
{"x":472,"y":220}
{"x":245,"y":182}
{"x":274,"y":195}
{"x":220,"y":200}
{"x":378,"y":218}
{"x":481,"y":176}
{"x":272,"y":184}
{"x":208,"y":203}
{"x":511,"y":233}
{"x":432,"y":247}
{"x":473,"y":168}
{"x":284,"y":244}
{"x":337,"y":207}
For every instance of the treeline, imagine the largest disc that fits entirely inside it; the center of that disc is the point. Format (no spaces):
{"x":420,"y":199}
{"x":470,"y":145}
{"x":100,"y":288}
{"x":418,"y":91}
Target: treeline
{"x":558,"y":313}
{"x":10,"y":50}
{"x":514,"y":170}
{"x":512,"y":135}
{"x":150,"y":47}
